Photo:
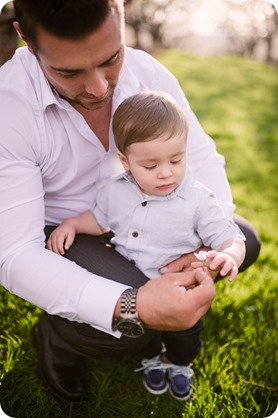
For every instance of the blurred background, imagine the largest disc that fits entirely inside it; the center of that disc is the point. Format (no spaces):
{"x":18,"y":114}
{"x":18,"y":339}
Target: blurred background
{"x":243,"y":27}
{"x":224,"y":54}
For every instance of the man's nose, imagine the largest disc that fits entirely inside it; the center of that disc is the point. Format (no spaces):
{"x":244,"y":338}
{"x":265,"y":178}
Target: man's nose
{"x":96,"y":84}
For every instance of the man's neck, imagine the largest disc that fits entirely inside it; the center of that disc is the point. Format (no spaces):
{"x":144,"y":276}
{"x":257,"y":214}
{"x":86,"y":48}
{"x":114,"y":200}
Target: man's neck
{"x":99,"y":121}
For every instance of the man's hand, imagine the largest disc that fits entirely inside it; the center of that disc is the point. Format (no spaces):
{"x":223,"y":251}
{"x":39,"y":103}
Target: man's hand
{"x":169,"y":303}
{"x":183,"y":263}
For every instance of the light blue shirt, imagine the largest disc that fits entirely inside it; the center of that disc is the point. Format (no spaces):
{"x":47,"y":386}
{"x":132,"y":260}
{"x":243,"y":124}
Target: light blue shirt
{"x":152,"y":231}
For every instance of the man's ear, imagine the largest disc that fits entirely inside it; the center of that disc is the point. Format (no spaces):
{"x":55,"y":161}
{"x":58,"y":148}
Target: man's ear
{"x":124,"y":161}
{"x":21,"y":34}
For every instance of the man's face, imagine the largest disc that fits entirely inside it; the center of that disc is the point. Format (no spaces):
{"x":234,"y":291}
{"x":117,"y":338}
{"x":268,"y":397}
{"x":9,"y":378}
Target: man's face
{"x":85,"y":72}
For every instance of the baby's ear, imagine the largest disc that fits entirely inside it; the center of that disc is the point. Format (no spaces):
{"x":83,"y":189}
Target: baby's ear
{"x":124,"y":161}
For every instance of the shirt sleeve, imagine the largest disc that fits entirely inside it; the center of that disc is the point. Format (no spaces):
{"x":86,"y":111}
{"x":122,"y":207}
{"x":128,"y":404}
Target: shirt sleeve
{"x":27,"y":269}
{"x":213,"y":227}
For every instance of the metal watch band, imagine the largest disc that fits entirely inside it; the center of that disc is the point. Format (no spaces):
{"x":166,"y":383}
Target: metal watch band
{"x":128,"y":303}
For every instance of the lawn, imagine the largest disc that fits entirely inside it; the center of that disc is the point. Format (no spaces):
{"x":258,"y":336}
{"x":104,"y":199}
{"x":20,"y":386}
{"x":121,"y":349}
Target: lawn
{"x":236,"y":101}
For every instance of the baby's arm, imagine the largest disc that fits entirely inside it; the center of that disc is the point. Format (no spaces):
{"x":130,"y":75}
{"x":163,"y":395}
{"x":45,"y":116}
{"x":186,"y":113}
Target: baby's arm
{"x":228,"y":259}
{"x":63,"y":236}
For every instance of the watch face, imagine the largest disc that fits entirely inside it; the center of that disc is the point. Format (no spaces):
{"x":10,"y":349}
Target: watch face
{"x":130,"y":328}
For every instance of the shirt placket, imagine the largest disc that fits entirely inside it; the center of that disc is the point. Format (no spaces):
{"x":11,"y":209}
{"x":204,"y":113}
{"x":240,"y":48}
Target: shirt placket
{"x":138,"y":225}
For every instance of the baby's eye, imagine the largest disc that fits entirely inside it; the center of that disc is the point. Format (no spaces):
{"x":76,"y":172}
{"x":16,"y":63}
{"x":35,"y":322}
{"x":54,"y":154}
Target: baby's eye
{"x":150,"y":167}
{"x":176,"y":161}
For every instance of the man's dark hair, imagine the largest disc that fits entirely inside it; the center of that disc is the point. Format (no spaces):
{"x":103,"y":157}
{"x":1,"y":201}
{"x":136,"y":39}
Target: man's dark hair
{"x":69,"y":19}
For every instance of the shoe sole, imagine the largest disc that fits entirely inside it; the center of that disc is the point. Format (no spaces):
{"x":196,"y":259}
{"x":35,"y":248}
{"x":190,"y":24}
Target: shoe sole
{"x":185,"y":398}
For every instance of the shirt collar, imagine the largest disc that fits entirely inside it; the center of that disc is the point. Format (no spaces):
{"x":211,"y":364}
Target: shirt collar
{"x":48,"y":94}
{"x":181,"y":191}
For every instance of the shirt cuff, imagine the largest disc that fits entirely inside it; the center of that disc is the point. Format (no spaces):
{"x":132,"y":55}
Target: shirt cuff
{"x":98,"y":301}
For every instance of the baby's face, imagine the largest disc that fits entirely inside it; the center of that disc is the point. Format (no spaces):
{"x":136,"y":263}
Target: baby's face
{"x":158,"y":165}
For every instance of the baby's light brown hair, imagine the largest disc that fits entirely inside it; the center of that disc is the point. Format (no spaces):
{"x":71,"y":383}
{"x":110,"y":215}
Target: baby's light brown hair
{"x":146,"y":116}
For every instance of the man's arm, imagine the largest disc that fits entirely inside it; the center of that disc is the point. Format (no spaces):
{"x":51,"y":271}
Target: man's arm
{"x":27,"y":269}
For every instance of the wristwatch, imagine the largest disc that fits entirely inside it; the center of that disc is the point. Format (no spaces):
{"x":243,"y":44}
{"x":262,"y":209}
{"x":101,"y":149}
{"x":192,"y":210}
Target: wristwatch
{"x":128,"y":323}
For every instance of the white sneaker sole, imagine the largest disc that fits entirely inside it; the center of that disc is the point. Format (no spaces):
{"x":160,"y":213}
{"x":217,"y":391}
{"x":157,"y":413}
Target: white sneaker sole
{"x":185,"y":398}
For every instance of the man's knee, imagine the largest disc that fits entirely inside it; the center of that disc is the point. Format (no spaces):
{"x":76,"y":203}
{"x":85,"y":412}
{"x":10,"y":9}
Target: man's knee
{"x":253,"y":243}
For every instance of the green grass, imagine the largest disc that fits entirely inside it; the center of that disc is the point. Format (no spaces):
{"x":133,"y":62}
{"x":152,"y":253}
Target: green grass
{"x":236,"y":373}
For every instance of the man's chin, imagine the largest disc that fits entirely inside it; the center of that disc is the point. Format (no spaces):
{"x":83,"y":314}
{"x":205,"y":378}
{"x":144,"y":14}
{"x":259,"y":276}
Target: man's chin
{"x":90,"y":105}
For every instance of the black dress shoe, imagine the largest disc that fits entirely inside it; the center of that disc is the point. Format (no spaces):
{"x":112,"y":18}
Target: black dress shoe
{"x":63,"y":373}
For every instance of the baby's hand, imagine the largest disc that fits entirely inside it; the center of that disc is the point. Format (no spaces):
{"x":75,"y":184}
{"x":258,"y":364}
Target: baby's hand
{"x":61,"y":239}
{"x":225,"y":262}
{"x":216,"y":260}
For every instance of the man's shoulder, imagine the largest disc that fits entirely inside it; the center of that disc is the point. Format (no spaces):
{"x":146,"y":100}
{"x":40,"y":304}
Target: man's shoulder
{"x":137,"y":55}
{"x":17,"y":69}
{"x":19,"y":78}
{"x":141,"y":62}
{"x":146,"y":71}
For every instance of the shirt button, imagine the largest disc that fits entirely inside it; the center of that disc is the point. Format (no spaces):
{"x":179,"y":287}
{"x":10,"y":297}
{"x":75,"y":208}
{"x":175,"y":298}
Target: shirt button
{"x":135,"y":234}
{"x":144,"y":203}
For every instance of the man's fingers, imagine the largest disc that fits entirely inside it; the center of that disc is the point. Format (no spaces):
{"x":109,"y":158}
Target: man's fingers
{"x":175,"y":266}
{"x":201,"y":296}
{"x":206,"y":288}
{"x":202,"y":277}
{"x":185,"y":280}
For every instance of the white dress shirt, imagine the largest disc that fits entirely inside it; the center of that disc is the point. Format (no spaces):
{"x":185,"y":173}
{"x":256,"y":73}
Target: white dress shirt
{"x":152,"y":231}
{"x":51,"y":165}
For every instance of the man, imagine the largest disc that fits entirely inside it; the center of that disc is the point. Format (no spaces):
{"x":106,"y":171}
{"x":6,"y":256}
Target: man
{"x":57,"y":97}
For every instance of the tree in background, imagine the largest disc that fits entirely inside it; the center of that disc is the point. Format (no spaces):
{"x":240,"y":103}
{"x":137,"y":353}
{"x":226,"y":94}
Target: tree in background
{"x":245,"y":25}
{"x":153,"y":24}
{"x":8,"y":35}
{"x":249,"y":24}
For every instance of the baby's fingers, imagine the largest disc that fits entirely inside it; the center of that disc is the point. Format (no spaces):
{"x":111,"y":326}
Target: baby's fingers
{"x":233,"y":274}
{"x":229,"y":268}
{"x":54,"y":245}
{"x":49,"y":244}
{"x":60,"y":240}
{"x":69,"y":240}
{"x":215,"y":260}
